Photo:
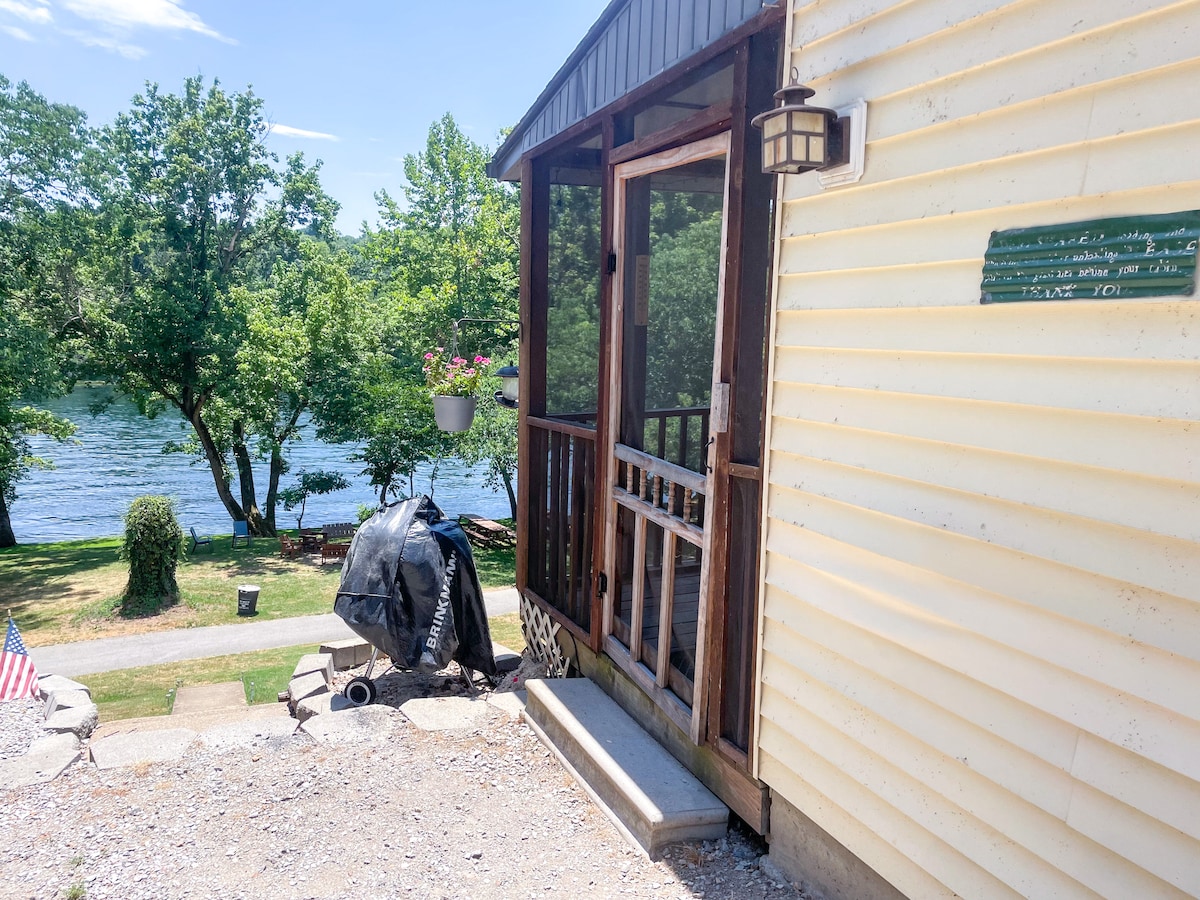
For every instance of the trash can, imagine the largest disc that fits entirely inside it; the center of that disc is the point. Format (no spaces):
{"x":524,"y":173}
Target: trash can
{"x":247,"y":599}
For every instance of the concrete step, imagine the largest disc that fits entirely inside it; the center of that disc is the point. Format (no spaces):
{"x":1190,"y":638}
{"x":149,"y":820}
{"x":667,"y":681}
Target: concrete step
{"x":201,"y":698}
{"x":650,"y":796}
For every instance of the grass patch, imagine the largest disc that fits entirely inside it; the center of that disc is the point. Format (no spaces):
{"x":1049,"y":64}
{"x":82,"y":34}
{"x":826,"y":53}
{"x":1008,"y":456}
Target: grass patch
{"x":134,"y":693}
{"x":69,"y":591}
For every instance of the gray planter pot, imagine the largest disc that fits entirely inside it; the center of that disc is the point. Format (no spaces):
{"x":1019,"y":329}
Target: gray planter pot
{"x":454,"y":413}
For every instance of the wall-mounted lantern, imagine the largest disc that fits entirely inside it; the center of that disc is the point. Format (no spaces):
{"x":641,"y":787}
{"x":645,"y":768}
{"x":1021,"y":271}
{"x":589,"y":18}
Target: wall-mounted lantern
{"x":798,"y":137}
{"x":510,"y":387}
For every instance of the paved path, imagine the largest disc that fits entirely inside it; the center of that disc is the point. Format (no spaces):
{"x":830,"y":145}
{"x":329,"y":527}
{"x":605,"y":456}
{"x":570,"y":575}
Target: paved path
{"x":107,"y":654}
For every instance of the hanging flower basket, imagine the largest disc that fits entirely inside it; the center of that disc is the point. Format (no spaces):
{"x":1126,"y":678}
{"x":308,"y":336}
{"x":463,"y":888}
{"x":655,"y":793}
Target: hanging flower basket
{"x":454,"y":382}
{"x":453,"y":413}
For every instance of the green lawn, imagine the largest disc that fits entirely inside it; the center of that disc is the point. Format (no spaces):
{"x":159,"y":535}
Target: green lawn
{"x":68,"y":591}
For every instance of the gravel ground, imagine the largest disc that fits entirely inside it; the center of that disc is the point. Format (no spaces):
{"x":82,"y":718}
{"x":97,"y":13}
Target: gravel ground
{"x":20,"y":726}
{"x":485,"y":812}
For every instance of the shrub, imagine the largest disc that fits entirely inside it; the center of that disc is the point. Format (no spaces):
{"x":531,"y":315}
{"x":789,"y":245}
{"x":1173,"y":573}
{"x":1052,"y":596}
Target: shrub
{"x":153,"y":545}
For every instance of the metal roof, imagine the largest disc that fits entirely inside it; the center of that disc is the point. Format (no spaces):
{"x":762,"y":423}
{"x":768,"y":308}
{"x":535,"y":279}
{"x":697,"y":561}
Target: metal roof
{"x":631,"y":43}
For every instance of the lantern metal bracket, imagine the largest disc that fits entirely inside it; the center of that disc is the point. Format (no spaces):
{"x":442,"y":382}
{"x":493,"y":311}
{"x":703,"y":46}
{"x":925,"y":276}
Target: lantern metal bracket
{"x":852,"y":120}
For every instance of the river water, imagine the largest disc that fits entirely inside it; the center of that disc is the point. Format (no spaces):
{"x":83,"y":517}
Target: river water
{"x":119,"y":457}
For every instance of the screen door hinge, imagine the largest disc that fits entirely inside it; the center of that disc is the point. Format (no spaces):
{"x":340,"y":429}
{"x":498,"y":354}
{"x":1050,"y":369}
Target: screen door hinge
{"x":612,"y":263}
{"x":602,"y":584}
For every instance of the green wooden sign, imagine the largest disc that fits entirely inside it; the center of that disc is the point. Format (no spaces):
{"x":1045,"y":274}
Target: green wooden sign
{"x":1104,"y":259}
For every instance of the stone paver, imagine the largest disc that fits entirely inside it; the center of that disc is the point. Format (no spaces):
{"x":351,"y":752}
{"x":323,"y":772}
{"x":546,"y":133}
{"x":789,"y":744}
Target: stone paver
{"x":66,"y":700}
{"x":445,"y":713}
{"x":194,"y":698}
{"x":364,"y":724}
{"x":137,"y":747}
{"x":48,"y":684}
{"x":47,"y":758}
{"x":307,"y":686}
{"x":321,"y":704}
{"x":509,"y":702}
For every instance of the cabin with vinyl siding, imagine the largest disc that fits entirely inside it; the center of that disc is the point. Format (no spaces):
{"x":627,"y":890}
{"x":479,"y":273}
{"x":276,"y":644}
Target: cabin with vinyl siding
{"x":979,"y":635}
{"x":909,"y":580}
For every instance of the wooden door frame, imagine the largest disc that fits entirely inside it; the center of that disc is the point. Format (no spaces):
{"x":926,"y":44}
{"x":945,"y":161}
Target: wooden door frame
{"x":692,"y":722}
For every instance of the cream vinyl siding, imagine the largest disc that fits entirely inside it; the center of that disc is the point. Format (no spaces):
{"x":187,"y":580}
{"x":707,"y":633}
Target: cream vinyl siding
{"x":980,"y":654}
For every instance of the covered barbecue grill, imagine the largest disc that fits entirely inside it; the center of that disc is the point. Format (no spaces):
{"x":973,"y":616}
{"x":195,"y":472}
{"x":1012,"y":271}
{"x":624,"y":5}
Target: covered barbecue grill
{"x":409,"y":588}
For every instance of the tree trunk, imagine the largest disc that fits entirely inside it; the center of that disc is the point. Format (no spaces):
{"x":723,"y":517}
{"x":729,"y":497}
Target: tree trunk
{"x":241,"y":456}
{"x":277,"y":462}
{"x":216,"y":462}
{"x":7,"y":538}
{"x":512,"y":497}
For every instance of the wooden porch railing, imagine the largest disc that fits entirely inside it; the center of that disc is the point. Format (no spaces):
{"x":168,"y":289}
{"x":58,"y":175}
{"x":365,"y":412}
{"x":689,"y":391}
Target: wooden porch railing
{"x":562,"y":515}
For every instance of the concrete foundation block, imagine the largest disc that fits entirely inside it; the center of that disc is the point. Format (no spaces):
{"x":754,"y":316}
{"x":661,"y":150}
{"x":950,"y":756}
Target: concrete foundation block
{"x":66,"y":700}
{"x":48,"y":684}
{"x":320,"y":704}
{"x":305,"y":686}
{"x":362,"y":724}
{"x":80,"y":721}
{"x":315,"y":662}
{"x":348,"y":653}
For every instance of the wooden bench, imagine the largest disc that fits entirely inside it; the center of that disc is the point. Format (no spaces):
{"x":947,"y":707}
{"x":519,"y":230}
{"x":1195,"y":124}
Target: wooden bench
{"x":288,"y":548}
{"x":338,"y":530}
{"x":333,"y":551}
{"x":486,"y":532}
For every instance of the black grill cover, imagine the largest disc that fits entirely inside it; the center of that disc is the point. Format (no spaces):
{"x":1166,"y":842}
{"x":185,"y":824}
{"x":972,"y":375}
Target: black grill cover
{"x":409,"y":587}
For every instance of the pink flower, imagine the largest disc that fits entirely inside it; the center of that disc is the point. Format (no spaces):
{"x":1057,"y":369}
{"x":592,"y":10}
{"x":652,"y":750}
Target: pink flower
{"x":458,"y":361}
{"x":469,"y":372}
{"x":478,"y":360}
{"x":484,"y":361}
{"x":429,"y":356}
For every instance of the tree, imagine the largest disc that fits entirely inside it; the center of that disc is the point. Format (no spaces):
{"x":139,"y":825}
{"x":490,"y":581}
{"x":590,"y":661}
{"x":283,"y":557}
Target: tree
{"x":310,"y":484}
{"x":42,"y":145}
{"x":192,"y":201}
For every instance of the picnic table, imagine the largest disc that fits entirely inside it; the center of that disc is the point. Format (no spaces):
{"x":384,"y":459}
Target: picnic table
{"x":487,"y":532}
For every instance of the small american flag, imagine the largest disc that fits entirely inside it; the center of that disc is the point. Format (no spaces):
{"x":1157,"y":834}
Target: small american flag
{"x":18,"y":677}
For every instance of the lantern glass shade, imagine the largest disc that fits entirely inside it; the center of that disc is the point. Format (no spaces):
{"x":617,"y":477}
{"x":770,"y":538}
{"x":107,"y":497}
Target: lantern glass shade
{"x":510,"y":386}
{"x":816,"y":150}
{"x":811,"y":122}
{"x":775,"y":126}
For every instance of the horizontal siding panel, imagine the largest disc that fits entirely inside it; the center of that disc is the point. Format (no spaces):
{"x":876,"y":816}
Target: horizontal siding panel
{"x":1162,"y":564}
{"x":1006,"y":59}
{"x":1091,"y":664}
{"x":1121,"y":719}
{"x":1145,"y":102}
{"x":1042,"y":759}
{"x":1168,"y":389}
{"x":985,"y":858}
{"x":875,"y":287}
{"x":1139,"y":330}
{"x":875,"y":833}
{"x":1127,"y":499}
{"x":813,"y":247}
{"x":1026,"y":179}
{"x":1085,"y":438}
{"x":793,"y":662}
{"x":1135,"y":781}
{"x":1046,"y":843}
{"x":1152,"y":845}
{"x":1132,"y":611}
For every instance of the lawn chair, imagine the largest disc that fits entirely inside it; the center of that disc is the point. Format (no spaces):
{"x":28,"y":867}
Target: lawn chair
{"x":241,"y":532}
{"x":200,"y":540}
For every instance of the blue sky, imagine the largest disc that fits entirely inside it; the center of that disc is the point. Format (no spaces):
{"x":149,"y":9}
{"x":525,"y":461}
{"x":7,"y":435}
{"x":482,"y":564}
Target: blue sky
{"x":356,"y":84}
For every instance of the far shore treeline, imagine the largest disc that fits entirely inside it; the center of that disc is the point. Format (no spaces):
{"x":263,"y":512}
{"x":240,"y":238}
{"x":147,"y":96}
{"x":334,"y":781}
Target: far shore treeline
{"x":171,"y":255}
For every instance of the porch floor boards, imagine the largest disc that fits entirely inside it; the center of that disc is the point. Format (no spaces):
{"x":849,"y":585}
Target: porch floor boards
{"x":649,"y":795}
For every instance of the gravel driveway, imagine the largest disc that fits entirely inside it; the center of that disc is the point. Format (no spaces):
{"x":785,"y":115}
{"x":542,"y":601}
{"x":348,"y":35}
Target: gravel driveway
{"x":485,"y":812}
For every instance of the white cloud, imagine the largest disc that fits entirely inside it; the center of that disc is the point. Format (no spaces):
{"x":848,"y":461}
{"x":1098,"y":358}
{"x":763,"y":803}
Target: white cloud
{"x":36,"y":13}
{"x":289,"y":131}
{"x":105,"y":42}
{"x":124,"y":16}
{"x":19,"y":33}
